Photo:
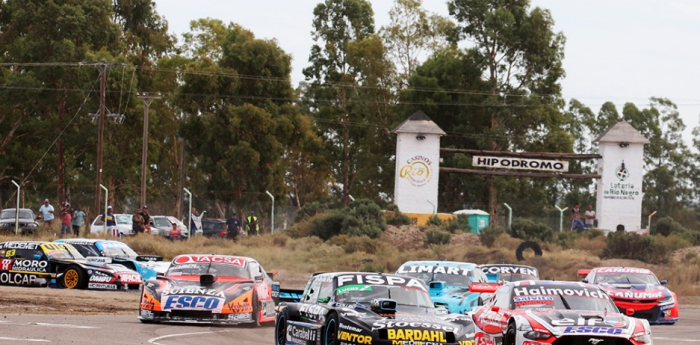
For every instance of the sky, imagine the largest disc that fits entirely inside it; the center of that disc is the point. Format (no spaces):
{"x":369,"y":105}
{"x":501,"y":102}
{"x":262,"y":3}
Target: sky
{"x":619,"y":51}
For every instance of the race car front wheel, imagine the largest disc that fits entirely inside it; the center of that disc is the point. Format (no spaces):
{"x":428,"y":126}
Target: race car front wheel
{"x":73,"y":278}
{"x":509,"y":338}
{"x":281,"y":328}
{"x":256,"y":309}
{"x":330,"y":331}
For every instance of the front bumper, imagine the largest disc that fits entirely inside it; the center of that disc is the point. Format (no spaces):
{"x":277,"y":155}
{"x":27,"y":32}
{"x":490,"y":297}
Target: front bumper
{"x":195,"y":316}
{"x":655,"y":313}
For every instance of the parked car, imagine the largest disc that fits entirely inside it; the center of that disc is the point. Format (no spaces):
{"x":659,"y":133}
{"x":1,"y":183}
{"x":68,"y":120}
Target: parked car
{"x":161,"y":225}
{"x":27,"y":224}
{"x":124,"y":224}
{"x":214,"y":227}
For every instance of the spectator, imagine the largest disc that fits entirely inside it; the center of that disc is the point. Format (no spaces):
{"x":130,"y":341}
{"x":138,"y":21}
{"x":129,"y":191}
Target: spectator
{"x":590,"y":217}
{"x":66,"y":218}
{"x":137,"y":222}
{"x":576,"y":223}
{"x":46,"y":211}
{"x":175,"y":233}
{"x":146,"y":219}
{"x":233,"y":226}
{"x":193,"y":226}
{"x":110,"y":221}
{"x":78,"y":216}
{"x":252,"y":224}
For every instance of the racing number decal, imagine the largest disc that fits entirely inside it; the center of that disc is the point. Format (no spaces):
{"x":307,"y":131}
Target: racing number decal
{"x":51,"y":247}
{"x":10,"y":253}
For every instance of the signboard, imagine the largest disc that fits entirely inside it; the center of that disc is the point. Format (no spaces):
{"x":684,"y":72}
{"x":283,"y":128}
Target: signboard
{"x":417,"y":170}
{"x":520,"y":163}
{"x":623,"y":187}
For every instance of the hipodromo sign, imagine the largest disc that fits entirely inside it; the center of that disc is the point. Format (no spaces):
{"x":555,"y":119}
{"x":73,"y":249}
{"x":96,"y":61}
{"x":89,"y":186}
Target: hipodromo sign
{"x":520,"y":163}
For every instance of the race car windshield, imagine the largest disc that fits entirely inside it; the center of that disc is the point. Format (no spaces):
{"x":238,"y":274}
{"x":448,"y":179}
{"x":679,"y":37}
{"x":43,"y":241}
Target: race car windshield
{"x":449,"y":279}
{"x":67,"y":252}
{"x":119,"y":252}
{"x":564,"y":302}
{"x":626,"y":278}
{"x":220,"y":270}
{"x":366,"y":293}
{"x":511,"y":277}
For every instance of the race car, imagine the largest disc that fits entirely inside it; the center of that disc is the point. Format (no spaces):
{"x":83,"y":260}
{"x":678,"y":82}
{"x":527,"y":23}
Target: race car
{"x":368,"y":308}
{"x":509,"y":272}
{"x":210,"y":289}
{"x":448,"y":282}
{"x":30,"y":263}
{"x":637,"y":289}
{"x":531,"y":312}
{"x":148,"y":266}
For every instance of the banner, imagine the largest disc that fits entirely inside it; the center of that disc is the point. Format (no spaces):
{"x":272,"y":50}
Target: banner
{"x":520,"y":163}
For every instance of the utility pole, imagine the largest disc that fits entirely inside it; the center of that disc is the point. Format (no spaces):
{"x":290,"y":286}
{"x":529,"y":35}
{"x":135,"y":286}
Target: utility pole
{"x":147,"y":99}
{"x":100,"y":116}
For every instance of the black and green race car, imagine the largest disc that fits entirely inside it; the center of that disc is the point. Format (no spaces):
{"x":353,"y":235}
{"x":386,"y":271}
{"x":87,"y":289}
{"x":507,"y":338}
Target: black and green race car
{"x":368,"y":308}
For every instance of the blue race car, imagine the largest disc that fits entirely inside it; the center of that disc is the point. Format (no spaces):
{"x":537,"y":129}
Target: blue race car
{"x":148,"y":266}
{"x":448,"y":282}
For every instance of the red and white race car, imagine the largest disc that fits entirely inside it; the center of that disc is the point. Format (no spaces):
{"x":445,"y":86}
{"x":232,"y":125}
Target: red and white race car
{"x":637,"y":289}
{"x":210,"y":289}
{"x":555,"y":312}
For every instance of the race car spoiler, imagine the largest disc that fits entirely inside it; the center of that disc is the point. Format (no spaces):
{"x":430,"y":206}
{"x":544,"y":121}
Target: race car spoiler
{"x":289,"y":295}
{"x":584,"y":272}
{"x":149,"y":258}
{"x":484,"y":287}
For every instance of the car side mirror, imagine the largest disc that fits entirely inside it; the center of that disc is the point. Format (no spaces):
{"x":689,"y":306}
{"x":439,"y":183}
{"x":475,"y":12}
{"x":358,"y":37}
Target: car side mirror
{"x":495,"y":309}
{"x":629,"y":311}
{"x":584,"y":280}
{"x":664,"y":282}
{"x":259,"y":278}
{"x":207,"y":279}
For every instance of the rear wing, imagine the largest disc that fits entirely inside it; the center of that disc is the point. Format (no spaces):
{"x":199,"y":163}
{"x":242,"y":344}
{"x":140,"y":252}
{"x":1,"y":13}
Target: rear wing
{"x":584,"y":272}
{"x":484,"y":287}
{"x":273,"y":275}
{"x":493,"y":277}
{"x":289,"y":295}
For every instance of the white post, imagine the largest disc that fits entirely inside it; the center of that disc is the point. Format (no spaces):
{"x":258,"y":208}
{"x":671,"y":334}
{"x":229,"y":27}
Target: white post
{"x":272,"y":227}
{"x":189,"y":219}
{"x":17,"y":208}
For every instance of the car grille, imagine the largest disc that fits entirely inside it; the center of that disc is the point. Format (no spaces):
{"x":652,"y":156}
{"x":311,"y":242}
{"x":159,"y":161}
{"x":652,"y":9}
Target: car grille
{"x":194,"y":314}
{"x":591,"y":340}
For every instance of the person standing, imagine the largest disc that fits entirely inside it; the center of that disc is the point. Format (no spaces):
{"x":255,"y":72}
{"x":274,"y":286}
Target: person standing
{"x":110,"y":221}
{"x":193,"y":226}
{"x":78,"y":216}
{"x":233,"y":226}
{"x":46,"y":211}
{"x":146,"y":219}
{"x":66,"y":218}
{"x":137,"y":222}
{"x":590,"y":217}
{"x":576,"y":223}
{"x":252,"y":226}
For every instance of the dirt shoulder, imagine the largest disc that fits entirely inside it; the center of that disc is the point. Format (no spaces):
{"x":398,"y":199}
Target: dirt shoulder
{"x":23,"y":300}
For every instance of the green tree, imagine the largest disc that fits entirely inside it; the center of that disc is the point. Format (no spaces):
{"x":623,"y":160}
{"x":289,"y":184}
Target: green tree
{"x":521,"y":58}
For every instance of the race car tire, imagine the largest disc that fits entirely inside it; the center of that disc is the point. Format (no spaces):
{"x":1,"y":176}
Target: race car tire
{"x":74,"y":277}
{"x":330,"y":330}
{"x":148,"y":321}
{"x":256,"y":309}
{"x":527,"y":245}
{"x":509,"y":337}
{"x":281,"y":328}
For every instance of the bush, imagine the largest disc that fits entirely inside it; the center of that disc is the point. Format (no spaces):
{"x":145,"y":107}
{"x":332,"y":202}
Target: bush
{"x":328,"y":224}
{"x":364,"y":218}
{"x":490,"y":233}
{"x":567,"y":239}
{"x":666,"y":226}
{"x":361,"y":244}
{"x":531,"y":231}
{"x":460,"y":223}
{"x":434,"y":220}
{"x":593,"y":233}
{"x":279,"y":240}
{"x":673,"y":242}
{"x":398,"y":219}
{"x":309,"y":210}
{"x":437,"y":237}
{"x":626,"y":245}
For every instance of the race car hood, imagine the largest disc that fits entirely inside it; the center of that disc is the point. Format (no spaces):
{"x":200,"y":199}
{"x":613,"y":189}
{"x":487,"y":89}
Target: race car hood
{"x":562,"y":322}
{"x":177,"y":293}
{"x":636,"y":292}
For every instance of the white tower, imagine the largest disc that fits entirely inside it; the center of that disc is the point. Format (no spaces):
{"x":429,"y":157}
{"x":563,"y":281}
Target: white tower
{"x":619,"y":193}
{"x":417,"y":164}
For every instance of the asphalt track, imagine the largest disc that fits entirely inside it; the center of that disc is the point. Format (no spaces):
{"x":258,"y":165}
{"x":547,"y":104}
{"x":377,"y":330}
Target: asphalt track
{"x":109,"y":330}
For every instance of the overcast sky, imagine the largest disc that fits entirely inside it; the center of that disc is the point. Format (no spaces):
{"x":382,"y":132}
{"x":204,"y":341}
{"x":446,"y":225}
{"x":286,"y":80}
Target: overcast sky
{"x":620,"y":51}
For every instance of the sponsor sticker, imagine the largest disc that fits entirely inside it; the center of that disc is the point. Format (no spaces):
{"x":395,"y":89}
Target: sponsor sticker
{"x":240,"y":317}
{"x":34,"y":266}
{"x":5,"y":264}
{"x":592,"y":330}
{"x":191,"y":302}
{"x":101,"y":278}
{"x":21,"y":245}
{"x":17,"y":278}
{"x":416,"y":335}
{"x":528,"y":271}
{"x":533,"y":300}
{"x":355,"y":338}
{"x":636,"y":295}
{"x":623,"y":270}
{"x":298,"y":333}
{"x":185,"y":259}
{"x":194,"y":291}
{"x":387,"y":324}
{"x":352,"y":288}
{"x":369,"y":279}
{"x":433,"y":269}
{"x":102,"y":286}
{"x":553,"y":291}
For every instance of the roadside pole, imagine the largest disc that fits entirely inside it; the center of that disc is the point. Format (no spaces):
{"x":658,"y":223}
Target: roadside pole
{"x":189,"y":219}
{"x":272,"y":227}
{"x":104,"y":223}
{"x":510,"y":215}
{"x":17,"y":208}
{"x":561,"y":217}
